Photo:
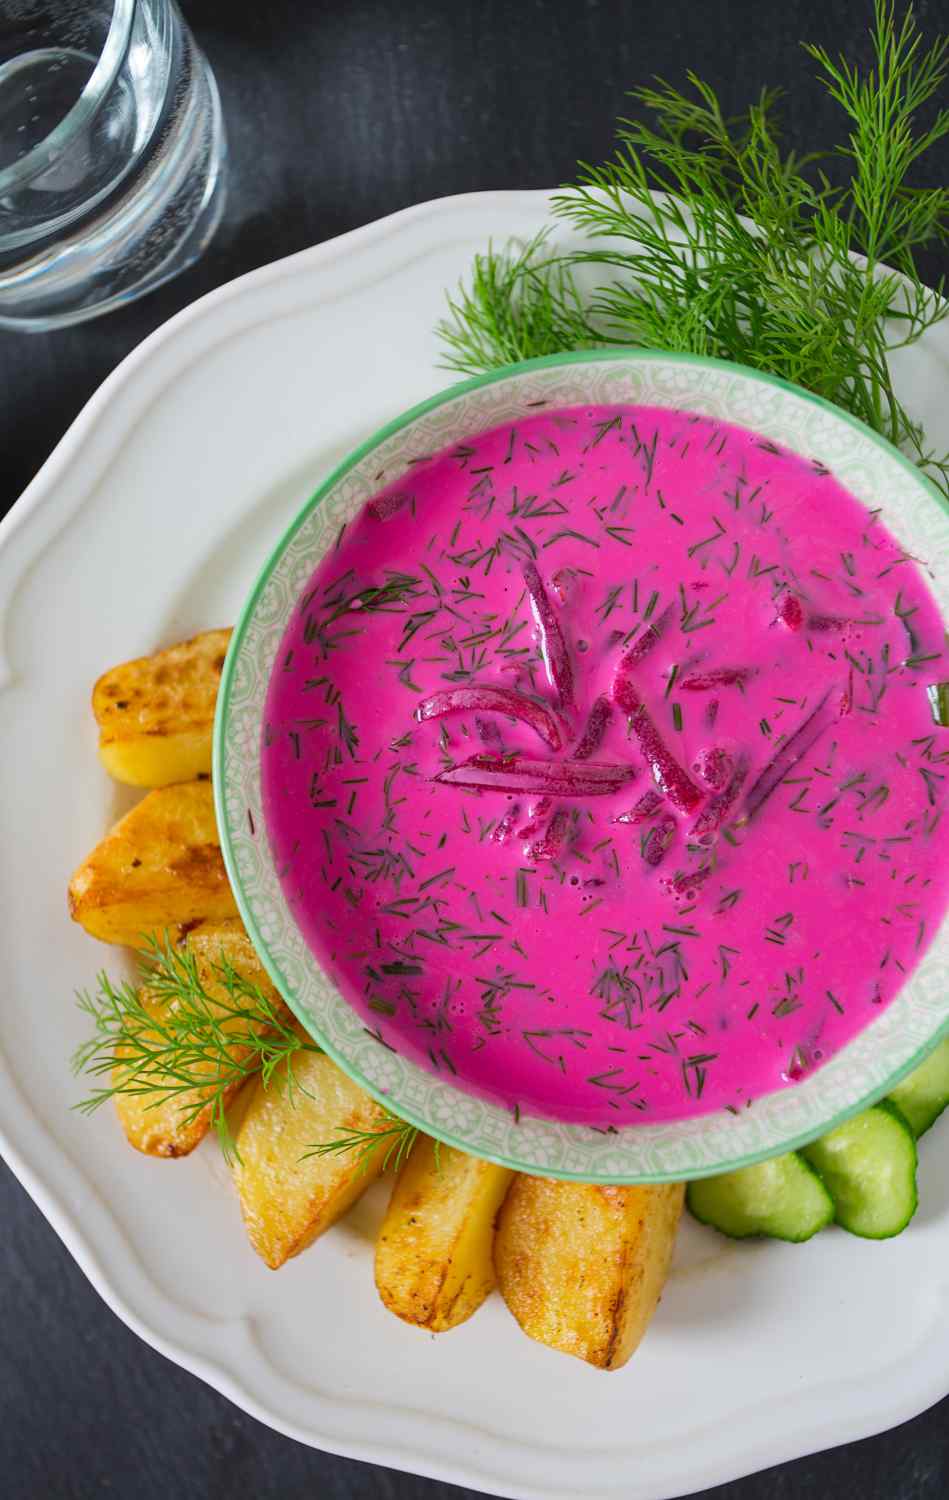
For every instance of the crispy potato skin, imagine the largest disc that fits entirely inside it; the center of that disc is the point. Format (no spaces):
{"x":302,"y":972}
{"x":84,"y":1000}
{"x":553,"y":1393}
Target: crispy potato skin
{"x":155,"y":1124}
{"x":288,"y":1201}
{"x":582,"y":1267}
{"x":434,"y":1262}
{"x":159,"y":868}
{"x":155,"y":714}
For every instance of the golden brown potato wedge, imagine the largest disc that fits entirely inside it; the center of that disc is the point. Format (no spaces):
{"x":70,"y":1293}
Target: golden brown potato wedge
{"x":155,"y":714}
{"x":160,"y":867}
{"x":157,"y":1122}
{"x":287,"y":1198}
{"x":434,"y":1264}
{"x":582,"y":1267}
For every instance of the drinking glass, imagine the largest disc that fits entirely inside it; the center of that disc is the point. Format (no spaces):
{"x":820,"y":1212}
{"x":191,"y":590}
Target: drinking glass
{"x":112,"y":155}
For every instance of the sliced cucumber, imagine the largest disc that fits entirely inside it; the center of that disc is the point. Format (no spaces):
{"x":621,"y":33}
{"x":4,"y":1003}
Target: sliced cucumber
{"x":782,"y":1198}
{"x":924,"y":1094}
{"x":868,"y":1166}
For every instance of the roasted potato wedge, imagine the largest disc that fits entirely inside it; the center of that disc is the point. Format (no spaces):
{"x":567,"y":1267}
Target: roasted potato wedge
{"x":157,"y":1123}
{"x":434,"y":1263}
{"x":582,"y":1267}
{"x":155,"y":714}
{"x":160,"y":867}
{"x":287,"y":1198}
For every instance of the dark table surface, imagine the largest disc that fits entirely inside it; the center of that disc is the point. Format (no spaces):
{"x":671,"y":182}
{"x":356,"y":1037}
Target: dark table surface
{"x":340,"y":111}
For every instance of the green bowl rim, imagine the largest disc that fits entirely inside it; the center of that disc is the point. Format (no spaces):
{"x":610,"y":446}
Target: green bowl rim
{"x":357,"y":454}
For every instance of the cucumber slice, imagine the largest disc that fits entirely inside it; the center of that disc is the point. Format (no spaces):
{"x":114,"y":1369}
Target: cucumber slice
{"x":782,"y":1198}
{"x":868,"y":1166}
{"x":924,"y":1094}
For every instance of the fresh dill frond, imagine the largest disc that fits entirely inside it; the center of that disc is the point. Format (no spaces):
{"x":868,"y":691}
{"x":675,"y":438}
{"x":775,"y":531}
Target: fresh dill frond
{"x":519,"y":303}
{"x":707,"y":237}
{"x":169,"y":1037}
{"x":400,"y":1135}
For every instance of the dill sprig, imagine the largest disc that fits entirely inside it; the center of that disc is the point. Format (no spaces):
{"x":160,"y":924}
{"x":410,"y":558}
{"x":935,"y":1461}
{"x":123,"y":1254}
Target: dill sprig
{"x":170,"y":1038}
{"x":719,"y":242}
{"x":519,"y":303}
{"x":400,"y":1135}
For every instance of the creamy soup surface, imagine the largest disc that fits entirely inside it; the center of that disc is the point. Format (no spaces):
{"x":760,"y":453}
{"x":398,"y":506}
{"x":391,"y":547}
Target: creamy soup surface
{"x":599,"y":766}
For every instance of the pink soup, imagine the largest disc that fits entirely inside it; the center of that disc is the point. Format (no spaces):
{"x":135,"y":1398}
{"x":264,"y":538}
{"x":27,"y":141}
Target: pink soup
{"x":599,"y":767}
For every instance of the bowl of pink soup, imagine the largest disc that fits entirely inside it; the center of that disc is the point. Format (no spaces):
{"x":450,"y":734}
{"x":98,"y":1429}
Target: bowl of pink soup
{"x":579,"y":770}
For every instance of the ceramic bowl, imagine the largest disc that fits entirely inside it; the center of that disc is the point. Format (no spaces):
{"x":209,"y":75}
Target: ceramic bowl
{"x":856,"y":1076}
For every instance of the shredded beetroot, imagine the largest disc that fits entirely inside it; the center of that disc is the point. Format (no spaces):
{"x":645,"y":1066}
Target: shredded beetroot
{"x":505,"y":826}
{"x":790,"y":753}
{"x":489,"y":733}
{"x":714,"y":766}
{"x":791,"y":612}
{"x":828,"y":623}
{"x":668,"y":775}
{"x":521,"y":773}
{"x":658,"y":840}
{"x":541,"y":809}
{"x":497,"y":700}
{"x":384,"y":507}
{"x":687,"y":882}
{"x":551,"y":844}
{"x":649,"y":803}
{"x":553,"y":647}
{"x":650,"y":638}
{"x":716,"y":677}
{"x":714,"y":814}
{"x":590,"y":741}
{"x":837,"y":624}
{"x":594,"y":729}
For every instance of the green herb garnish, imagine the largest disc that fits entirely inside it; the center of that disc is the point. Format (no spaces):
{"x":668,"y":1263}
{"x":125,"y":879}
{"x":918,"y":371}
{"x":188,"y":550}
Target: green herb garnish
{"x":173,"y":1039}
{"x":749,"y":253}
{"x":399,"y":1135}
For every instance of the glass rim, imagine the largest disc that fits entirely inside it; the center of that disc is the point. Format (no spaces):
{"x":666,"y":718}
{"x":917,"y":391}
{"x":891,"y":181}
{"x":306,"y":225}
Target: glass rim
{"x":42,"y":156}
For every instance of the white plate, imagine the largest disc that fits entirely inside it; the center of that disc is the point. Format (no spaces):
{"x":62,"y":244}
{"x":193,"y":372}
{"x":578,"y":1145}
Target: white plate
{"x":149,"y":522}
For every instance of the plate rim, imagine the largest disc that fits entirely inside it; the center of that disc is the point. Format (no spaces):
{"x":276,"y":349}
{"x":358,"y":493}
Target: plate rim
{"x":44,"y":1170}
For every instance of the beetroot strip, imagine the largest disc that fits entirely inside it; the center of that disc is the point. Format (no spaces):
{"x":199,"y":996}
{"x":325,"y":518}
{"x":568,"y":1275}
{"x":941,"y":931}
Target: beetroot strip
{"x":650,"y":638}
{"x":498,"y":700}
{"x":541,"y":809}
{"x":648,"y":804}
{"x":553,"y":647}
{"x":590,"y":741}
{"x":521,"y":773}
{"x":489,"y":733}
{"x":668,"y":775}
{"x":658,"y":840}
{"x":713,"y":815}
{"x":715,"y":767}
{"x":686,"y":882}
{"x":793,"y":750}
{"x":715,"y":677}
{"x":550,"y":845}
{"x":505,"y":826}
{"x":594,"y":730}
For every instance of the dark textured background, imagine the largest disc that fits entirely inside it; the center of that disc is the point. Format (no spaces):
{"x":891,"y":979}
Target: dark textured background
{"x":339,"y":111}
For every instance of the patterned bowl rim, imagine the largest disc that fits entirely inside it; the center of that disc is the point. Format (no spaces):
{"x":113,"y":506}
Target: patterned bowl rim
{"x":861,"y":1073}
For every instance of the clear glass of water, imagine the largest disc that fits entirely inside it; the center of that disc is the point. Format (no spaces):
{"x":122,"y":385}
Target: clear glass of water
{"x":112,"y":155}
